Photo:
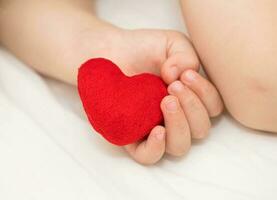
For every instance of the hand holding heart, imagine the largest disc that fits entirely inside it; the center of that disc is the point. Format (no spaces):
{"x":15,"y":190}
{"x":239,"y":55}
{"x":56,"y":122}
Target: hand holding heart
{"x":126,"y":109}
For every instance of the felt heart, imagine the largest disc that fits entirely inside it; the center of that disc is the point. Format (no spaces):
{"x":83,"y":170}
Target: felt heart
{"x":122,"y":109}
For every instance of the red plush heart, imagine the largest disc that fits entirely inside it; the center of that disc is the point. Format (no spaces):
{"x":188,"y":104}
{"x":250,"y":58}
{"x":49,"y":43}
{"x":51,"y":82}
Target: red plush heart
{"x":122,"y":109}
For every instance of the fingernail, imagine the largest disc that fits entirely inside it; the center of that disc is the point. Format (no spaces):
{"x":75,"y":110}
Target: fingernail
{"x":174,"y":72}
{"x":176,"y":86}
{"x":160,"y":135}
{"x":171,"y":106}
{"x":190,"y":75}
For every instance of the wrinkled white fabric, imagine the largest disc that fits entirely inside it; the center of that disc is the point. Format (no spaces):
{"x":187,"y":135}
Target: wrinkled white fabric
{"x":49,"y":151}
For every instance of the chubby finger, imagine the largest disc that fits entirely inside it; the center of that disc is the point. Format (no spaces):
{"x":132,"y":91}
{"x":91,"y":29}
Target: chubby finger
{"x":178,"y":139}
{"x":204,"y":90}
{"x":194,"y":110}
{"x":151,"y":150}
{"x":180,"y":56}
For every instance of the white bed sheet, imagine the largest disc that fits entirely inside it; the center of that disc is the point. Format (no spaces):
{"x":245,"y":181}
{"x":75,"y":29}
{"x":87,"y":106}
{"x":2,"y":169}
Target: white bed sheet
{"x":49,"y":151}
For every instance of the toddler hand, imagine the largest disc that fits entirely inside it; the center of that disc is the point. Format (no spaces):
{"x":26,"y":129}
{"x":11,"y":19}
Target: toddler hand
{"x":192,"y":100}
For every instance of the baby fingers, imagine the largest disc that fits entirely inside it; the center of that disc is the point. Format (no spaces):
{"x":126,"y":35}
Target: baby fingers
{"x":195,"y":112}
{"x":151,"y":150}
{"x":177,"y":129}
{"x":180,"y":56}
{"x":206,"y":92}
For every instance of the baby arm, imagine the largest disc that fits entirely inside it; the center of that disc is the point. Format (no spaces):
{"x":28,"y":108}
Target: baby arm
{"x":237,"y":41}
{"x":56,"y":37}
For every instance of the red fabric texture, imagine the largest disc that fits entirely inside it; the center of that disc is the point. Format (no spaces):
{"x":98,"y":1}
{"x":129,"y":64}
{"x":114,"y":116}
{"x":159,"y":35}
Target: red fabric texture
{"x":122,"y":109}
